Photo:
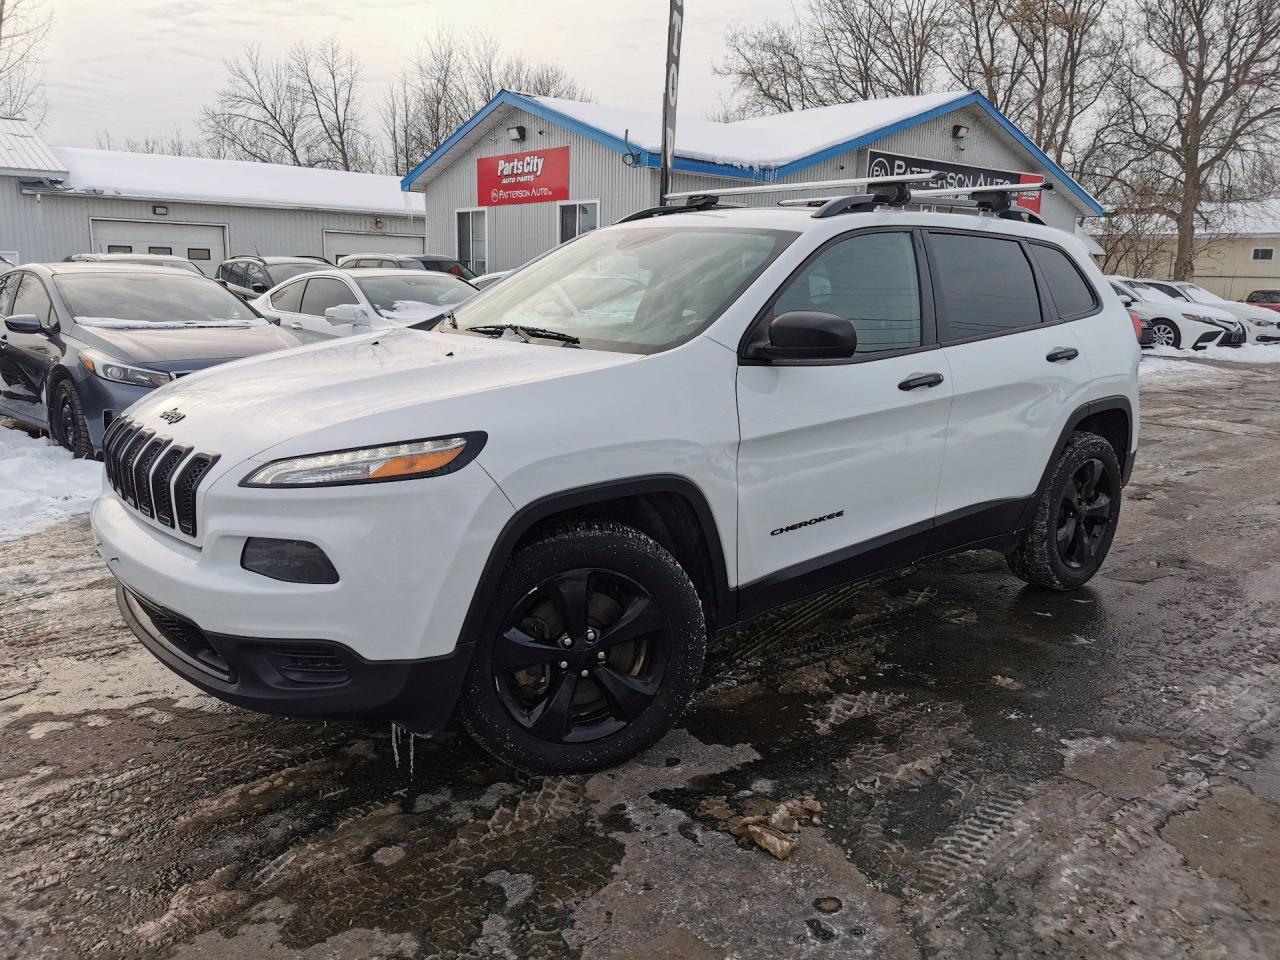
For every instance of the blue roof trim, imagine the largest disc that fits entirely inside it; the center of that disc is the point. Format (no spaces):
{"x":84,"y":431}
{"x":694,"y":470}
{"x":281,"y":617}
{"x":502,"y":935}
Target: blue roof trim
{"x":648,"y":158}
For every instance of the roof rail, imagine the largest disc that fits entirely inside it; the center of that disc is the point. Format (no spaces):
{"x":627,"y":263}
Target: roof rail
{"x":695,"y":202}
{"x":311,"y":256}
{"x":808,"y":185}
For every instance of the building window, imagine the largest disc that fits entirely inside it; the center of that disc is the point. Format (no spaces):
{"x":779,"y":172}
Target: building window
{"x":119,"y":248}
{"x":473,"y":249}
{"x":1263,"y":253}
{"x":577,"y":218}
{"x":198,"y":253}
{"x":163,"y":251}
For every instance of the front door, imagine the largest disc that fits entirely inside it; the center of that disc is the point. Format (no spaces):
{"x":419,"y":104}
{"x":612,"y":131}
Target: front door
{"x":839,"y":462}
{"x":29,"y":358}
{"x":321,"y":294}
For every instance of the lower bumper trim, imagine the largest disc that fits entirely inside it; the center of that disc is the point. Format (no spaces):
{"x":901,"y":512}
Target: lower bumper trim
{"x":318,"y":679}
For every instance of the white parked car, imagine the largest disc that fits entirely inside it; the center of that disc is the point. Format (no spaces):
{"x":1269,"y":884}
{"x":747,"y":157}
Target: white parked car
{"x":1261,"y":325}
{"x":543,"y":525}
{"x":324,"y":304}
{"x":1176,"y":323}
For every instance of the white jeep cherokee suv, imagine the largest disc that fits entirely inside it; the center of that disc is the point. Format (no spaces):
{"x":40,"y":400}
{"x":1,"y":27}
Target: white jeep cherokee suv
{"x":540,"y":510}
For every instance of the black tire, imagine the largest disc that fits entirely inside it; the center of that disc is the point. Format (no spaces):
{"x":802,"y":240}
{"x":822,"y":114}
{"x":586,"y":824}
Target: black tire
{"x":1075,"y":517}
{"x":1164,"y":333}
{"x":617,"y":696}
{"x":66,"y":420}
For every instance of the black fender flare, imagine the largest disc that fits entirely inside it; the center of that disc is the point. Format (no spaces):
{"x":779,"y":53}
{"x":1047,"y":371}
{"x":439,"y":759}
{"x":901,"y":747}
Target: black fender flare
{"x":537,"y":510}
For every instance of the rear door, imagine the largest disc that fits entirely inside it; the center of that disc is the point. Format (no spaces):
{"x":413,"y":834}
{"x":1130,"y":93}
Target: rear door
{"x":1017,"y":371}
{"x":839,"y":461}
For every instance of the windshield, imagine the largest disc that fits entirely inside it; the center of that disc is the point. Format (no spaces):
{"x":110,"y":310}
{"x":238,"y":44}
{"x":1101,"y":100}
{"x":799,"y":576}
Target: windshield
{"x":637,"y":290}
{"x":409,"y":292}
{"x":443,"y":266}
{"x":1265,"y":296}
{"x":1200,"y":294}
{"x":176,"y":264}
{"x":280,"y":272}
{"x":1150,"y":294}
{"x":142,"y":299}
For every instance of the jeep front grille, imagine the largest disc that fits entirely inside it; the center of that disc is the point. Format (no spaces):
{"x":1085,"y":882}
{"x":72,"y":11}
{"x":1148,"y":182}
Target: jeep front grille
{"x":155,"y":476}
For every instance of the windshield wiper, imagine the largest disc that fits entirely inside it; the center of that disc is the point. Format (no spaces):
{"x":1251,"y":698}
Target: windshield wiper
{"x":497,"y":329}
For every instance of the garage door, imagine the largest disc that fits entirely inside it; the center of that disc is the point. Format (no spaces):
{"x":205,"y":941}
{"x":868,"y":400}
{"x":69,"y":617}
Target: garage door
{"x":204,"y":244}
{"x":338,"y":244}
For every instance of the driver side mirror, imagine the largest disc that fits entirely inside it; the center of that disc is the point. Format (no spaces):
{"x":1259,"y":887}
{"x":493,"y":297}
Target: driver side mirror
{"x":807,"y":335}
{"x":1128,"y":301}
{"x":24,"y":323}
{"x":349,"y":313}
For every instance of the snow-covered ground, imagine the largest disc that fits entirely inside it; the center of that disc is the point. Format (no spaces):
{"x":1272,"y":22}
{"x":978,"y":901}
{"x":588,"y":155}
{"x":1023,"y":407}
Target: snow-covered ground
{"x":41,"y":484}
{"x":1249,"y":353}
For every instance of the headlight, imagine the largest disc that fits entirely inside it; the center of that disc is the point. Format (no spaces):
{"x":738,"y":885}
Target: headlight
{"x":400,"y":461}
{"x":117,"y":372}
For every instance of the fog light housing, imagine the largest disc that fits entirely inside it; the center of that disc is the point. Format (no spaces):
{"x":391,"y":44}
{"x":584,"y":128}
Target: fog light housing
{"x":293,"y":561}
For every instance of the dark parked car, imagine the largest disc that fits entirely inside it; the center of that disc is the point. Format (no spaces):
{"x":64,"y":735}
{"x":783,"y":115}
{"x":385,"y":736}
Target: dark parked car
{"x":408,"y":261}
{"x":138,"y":259}
{"x":83,"y":341}
{"x":251,"y":276}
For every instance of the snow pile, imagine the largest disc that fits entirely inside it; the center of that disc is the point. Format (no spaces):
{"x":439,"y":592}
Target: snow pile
{"x":41,"y":484}
{"x":115,"y":173}
{"x":1167,"y":370}
{"x":1249,"y":353}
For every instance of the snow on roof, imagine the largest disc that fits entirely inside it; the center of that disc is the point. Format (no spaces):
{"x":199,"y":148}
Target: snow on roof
{"x":115,"y":173}
{"x":1244,"y":218}
{"x":770,"y":141}
{"x":24,"y":154}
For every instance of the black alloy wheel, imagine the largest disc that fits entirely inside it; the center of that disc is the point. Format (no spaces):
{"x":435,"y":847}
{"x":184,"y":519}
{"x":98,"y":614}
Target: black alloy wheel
{"x":67,"y":422}
{"x":581,"y":656}
{"x":1084,"y":513}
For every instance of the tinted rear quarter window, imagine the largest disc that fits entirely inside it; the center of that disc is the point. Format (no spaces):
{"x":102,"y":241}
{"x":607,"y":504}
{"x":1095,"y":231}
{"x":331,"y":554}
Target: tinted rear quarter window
{"x":1071,"y":293}
{"x":984,"y":285}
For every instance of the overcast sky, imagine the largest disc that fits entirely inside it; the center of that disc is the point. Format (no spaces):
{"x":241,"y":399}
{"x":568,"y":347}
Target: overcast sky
{"x":144,"y":67}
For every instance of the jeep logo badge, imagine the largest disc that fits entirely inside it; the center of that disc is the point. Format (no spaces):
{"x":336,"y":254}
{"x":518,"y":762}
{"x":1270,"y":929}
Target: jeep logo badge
{"x":172,"y":415}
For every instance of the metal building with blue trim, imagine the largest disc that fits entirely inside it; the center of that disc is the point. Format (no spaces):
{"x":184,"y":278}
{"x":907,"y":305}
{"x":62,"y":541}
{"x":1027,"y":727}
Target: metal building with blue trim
{"x":528,"y":172}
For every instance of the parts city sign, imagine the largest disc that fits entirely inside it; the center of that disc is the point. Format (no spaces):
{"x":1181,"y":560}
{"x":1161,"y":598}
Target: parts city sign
{"x":537,"y":176}
{"x":952,"y":174}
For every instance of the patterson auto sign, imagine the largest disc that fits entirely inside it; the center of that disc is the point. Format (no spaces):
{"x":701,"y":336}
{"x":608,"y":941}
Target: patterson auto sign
{"x":537,"y":176}
{"x":953,"y":174}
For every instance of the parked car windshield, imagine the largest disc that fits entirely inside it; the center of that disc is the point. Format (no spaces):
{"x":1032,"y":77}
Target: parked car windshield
{"x":1265,"y":296}
{"x":637,"y":290}
{"x":1200,"y":294}
{"x":443,"y":266}
{"x":142,"y":300}
{"x":408,"y":292}
{"x":175,"y":264}
{"x":1150,"y":294}
{"x":280,"y":272}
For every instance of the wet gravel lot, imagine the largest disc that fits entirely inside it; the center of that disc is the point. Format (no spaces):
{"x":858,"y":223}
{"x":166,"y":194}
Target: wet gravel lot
{"x":948,"y":763}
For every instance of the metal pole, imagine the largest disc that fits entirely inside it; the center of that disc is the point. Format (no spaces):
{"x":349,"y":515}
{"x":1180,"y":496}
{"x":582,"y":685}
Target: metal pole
{"x":671,"y":88}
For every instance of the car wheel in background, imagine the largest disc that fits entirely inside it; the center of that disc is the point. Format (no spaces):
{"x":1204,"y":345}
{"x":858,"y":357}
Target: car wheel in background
{"x":591,"y":652}
{"x":67,"y":422}
{"x":1165,"y":334}
{"x":1075,"y":517}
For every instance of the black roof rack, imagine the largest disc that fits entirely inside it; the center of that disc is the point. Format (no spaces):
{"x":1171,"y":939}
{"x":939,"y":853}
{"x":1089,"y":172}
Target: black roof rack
{"x":696,"y":202}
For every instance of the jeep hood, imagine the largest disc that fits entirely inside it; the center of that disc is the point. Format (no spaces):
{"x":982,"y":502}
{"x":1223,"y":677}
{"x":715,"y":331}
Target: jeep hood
{"x":372,"y":384}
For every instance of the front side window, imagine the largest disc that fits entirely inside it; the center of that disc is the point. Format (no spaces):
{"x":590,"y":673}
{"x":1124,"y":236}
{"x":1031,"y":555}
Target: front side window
{"x":139,"y":300}
{"x":32,"y":298}
{"x":984,"y":285}
{"x":323,"y":293}
{"x":472,"y":242}
{"x":409,"y":292}
{"x":289,"y":297}
{"x":870,"y":279}
{"x":578,"y":218}
{"x":1071,"y":293}
{"x":637,"y":289}
{"x":255,"y":273}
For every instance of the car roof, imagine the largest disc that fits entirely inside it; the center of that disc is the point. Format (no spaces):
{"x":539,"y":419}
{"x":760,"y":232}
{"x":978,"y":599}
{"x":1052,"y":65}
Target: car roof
{"x":94,"y":266}
{"x":401,"y":256}
{"x":108,"y":257}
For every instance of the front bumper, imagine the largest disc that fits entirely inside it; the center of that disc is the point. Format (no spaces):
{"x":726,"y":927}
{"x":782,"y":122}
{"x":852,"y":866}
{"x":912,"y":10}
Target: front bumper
{"x":303,"y":678}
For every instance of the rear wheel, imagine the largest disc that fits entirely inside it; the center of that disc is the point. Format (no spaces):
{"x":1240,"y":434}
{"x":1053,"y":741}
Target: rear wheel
{"x":1075,"y":517}
{"x":67,"y":422}
{"x":592,"y":651}
{"x":1165,"y":334}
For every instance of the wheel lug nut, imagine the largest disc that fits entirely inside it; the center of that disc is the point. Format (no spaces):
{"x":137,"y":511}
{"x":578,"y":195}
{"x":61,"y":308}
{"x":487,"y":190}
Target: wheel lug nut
{"x":564,"y":664}
{"x":566,"y":641}
{"x":600,"y":655}
{"x":584,"y":673}
{"x":591,"y":636}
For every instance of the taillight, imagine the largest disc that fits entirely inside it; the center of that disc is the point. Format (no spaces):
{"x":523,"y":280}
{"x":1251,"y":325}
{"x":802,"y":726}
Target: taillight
{"x":1137,"y":325}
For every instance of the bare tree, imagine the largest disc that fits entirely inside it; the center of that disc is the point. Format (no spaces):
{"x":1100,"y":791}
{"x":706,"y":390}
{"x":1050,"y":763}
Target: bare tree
{"x":176,"y":144}
{"x":23,"y":27}
{"x":448,"y":80}
{"x":261,"y":114}
{"x":329,"y":78}
{"x":1197,"y":109}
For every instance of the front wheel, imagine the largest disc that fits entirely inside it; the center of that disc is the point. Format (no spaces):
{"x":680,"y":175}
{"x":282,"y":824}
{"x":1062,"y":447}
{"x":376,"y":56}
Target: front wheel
{"x":1165,"y":334}
{"x":591,"y":653}
{"x":67,"y":422}
{"x":1075,"y":517}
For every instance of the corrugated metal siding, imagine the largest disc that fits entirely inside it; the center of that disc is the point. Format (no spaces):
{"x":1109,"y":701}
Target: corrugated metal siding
{"x":48,"y":227}
{"x":23,"y":152}
{"x":519,"y":232}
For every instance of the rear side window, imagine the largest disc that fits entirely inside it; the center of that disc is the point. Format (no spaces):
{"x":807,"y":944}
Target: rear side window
{"x":235,"y":274}
{"x":984,"y":285}
{"x":1072,"y":294}
{"x":325,"y":292}
{"x":870,"y":279}
{"x":288,"y":297}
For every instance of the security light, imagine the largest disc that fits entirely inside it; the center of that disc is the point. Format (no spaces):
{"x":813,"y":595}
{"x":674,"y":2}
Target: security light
{"x":515,"y":133}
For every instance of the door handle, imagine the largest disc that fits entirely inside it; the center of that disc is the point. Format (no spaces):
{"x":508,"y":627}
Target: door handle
{"x":920,"y":380}
{"x":294,"y":325}
{"x":1062,"y":353}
